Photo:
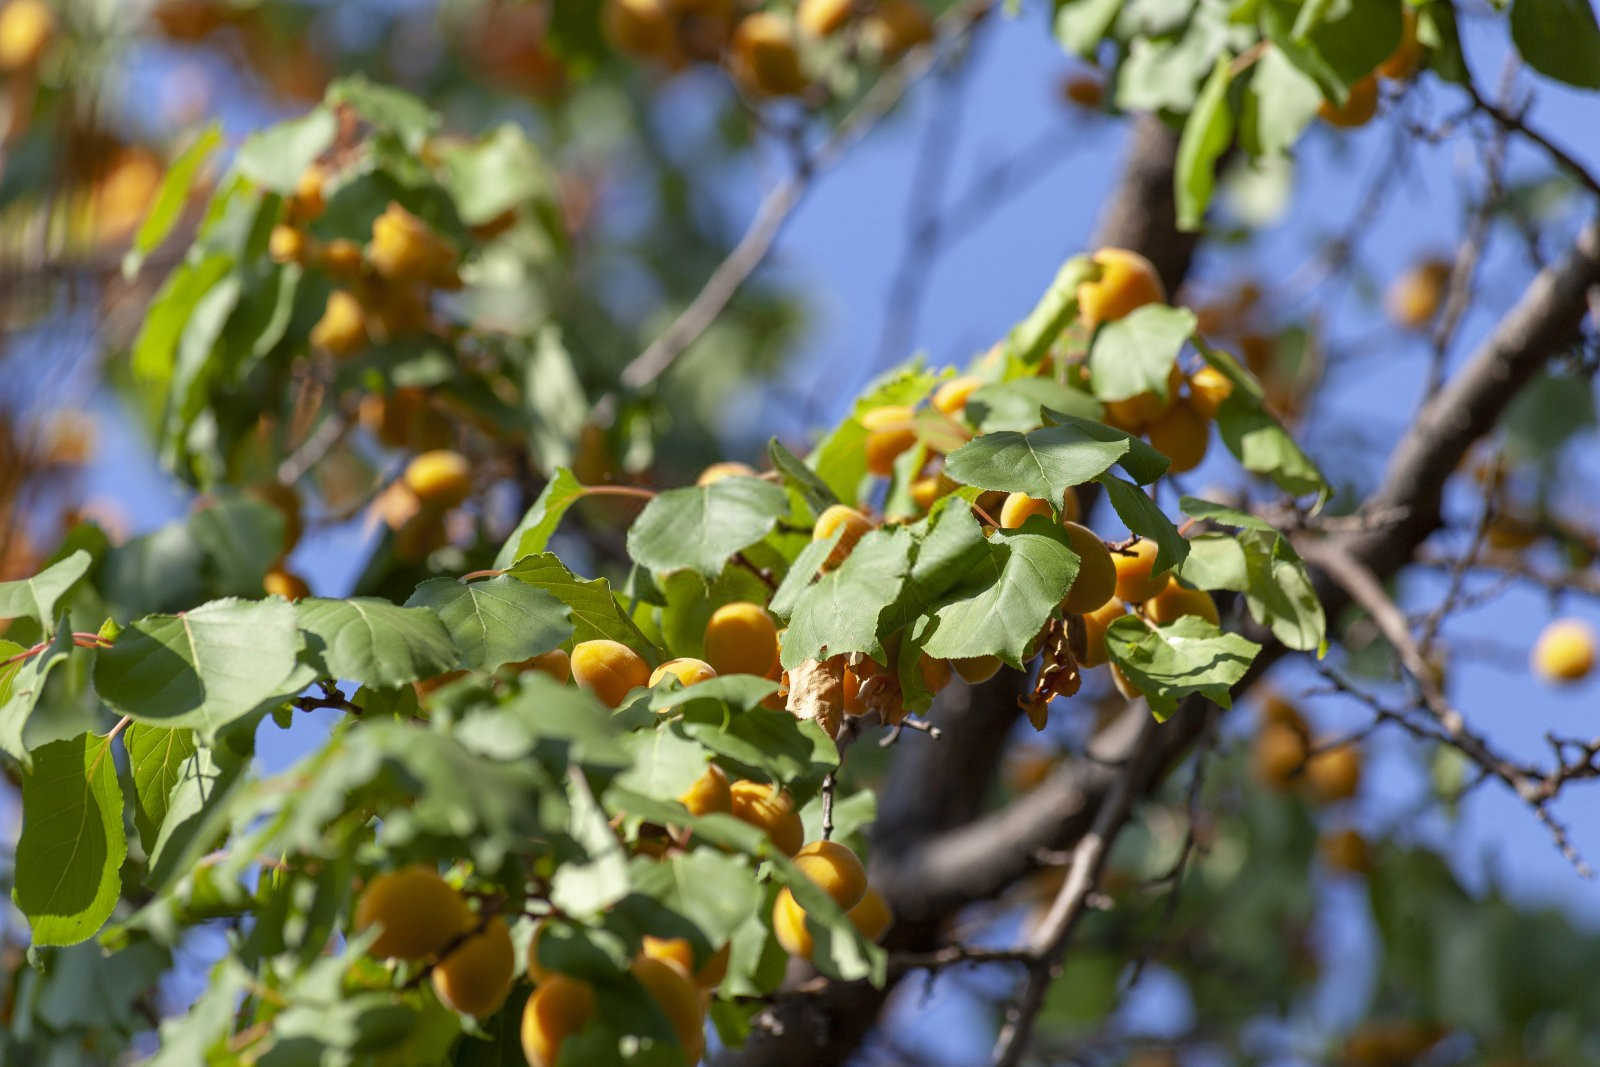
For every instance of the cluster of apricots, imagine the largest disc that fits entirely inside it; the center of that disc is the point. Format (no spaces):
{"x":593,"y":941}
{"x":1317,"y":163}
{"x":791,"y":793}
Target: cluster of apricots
{"x":765,"y":50}
{"x":1288,"y":757}
{"x":1362,"y":101}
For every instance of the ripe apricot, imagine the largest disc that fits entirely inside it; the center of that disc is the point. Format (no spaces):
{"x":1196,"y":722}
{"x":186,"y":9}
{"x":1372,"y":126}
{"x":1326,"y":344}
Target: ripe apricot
{"x":951,"y":397}
{"x":608,"y":669}
{"x":1279,"y":755}
{"x":871,"y":915}
{"x":1345,"y":851}
{"x":418,"y":911}
{"x":1415,"y":297}
{"x":558,"y":1008}
{"x":476,"y":975}
{"x":1334,"y":774}
{"x":404,"y":248}
{"x":556,"y":663}
{"x":1127,"y":281}
{"x":890,"y":431}
{"x":708,"y":793}
{"x":286,"y":584}
{"x":1565,"y":652}
{"x":1136,"y":413}
{"x":342,"y":330}
{"x":894,"y":27}
{"x":765,"y":57}
{"x":1135,"y":582}
{"x":643,"y":28}
{"x":679,"y":1000}
{"x":306,"y":203}
{"x":1358,"y":108}
{"x":441,"y":478}
{"x":676,"y":952}
{"x":1182,"y":435}
{"x":840,"y":517}
{"x":1095,"y":624}
{"x":1406,"y":59}
{"x":26,"y":29}
{"x":686,"y":669}
{"x":835,"y":869}
{"x":853,"y":704}
{"x":1124,"y":684}
{"x":789,"y":926}
{"x":1020,"y":507}
{"x":822,"y":18}
{"x":1097,"y":575}
{"x":741,"y":638}
{"x":1208,"y":388}
{"x":729,"y":469}
{"x":977,"y":669}
{"x":288,"y":244}
{"x":769,"y":809}
{"x":925,"y":492}
{"x":340,"y":257}
{"x":935,"y":672}
{"x":1176,"y":600}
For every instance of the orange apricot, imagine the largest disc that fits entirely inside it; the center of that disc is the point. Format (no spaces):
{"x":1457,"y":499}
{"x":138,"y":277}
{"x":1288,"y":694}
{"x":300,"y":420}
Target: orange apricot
{"x":1096,"y":581}
{"x":769,"y":809}
{"x":951,"y":397}
{"x":342,"y":329}
{"x":418,"y":912}
{"x":708,"y":793}
{"x":765,"y":56}
{"x":1135,"y":580}
{"x":686,"y":669}
{"x":476,"y":975}
{"x":1182,"y":435}
{"x":741,"y":638}
{"x":727,"y":469}
{"x":1358,"y":108}
{"x":871,"y":915}
{"x":835,"y":869}
{"x":558,"y":1008}
{"x":441,"y":479}
{"x":1095,"y":625}
{"x":1127,"y":281}
{"x":286,"y":584}
{"x":608,"y":669}
{"x":1176,"y":600}
{"x":847,"y":519}
{"x":1208,"y":388}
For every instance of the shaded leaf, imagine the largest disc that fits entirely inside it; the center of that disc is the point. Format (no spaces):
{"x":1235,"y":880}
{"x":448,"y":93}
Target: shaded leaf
{"x":374,"y":642}
{"x":497,"y":621}
{"x":541,"y":519}
{"x":700,"y":527}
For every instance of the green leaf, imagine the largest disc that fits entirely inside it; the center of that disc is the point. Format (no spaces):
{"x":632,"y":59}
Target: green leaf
{"x":1031,"y":338}
{"x":497,"y":621}
{"x":193,"y":809}
{"x":1190,"y":655}
{"x":839,"y":950}
{"x":1142,"y":462}
{"x":1136,"y":353}
{"x":1080,"y":25}
{"x":1344,"y":46}
{"x":242,"y":535}
{"x":806,"y":566}
{"x":839,"y":459}
{"x":21,"y":685}
{"x":740,"y":692}
{"x":589,"y":886}
{"x":595,"y":611}
{"x":1216,"y":561}
{"x":770,"y":743}
{"x":841,"y":610}
{"x":276,"y":157}
{"x":1221,"y":513}
{"x":381,"y":105}
{"x":1018,"y":404}
{"x":171,"y":197}
{"x":1255,"y":437}
{"x":155,"y":349}
{"x":1042,"y":463}
{"x":89,"y":990}
{"x":950,"y":545}
{"x":1547,"y":413}
{"x":35,"y":598}
{"x":69,"y":858}
{"x":541,"y":519}
{"x":1206,"y":134}
{"x":665,"y":762}
{"x":1143,"y":517}
{"x":1279,"y":104}
{"x":801,"y":478}
{"x":495,"y":174}
{"x":1261,"y":564}
{"x":545,"y":710}
{"x":195,"y":1036}
{"x":701,"y":527}
{"x":203,"y":668}
{"x":156,"y":757}
{"x":374,"y":642}
{"x":1559,"y":39}
{"x":713,"y":891}
{"x":1000,"y":607}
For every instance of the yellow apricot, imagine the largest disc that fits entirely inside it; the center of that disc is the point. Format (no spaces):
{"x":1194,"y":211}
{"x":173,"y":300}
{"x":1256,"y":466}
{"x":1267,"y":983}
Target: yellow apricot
{"x":340,"y":257}
{"x":676,"y":952}
{"x":1345,"y":851}
{"x":1020,"y":507}
{"x":1416,"y":296}
{"x":1335,"y":773}
{"x":976,"y":669}
{"x":708,"y":793}
{"x":1127,"y":281}
{"x":741,"y":638}
{"x":835,"y":869}
{"x":288,"y":244}
{"x":342,"y":330}
{"x":789,"y":926}
{"x":644,"y":28}
{"x":1095,"y":624}
{"x":286,"y":584}
{"x":558,"y":1008}
{"x":951,"y":397}
{"x":822,"y":18}
{"x":441,"y":478}
{"x":925,"y":492}
{"x":764,"y":56}
{"x":419,"y":913}
{"x":26,"y":29}
{"x":306,"y":203}
{"x":1182,"y":435}
{"x":1097,"y":575}
{"x":890,"y":431}
{"x":871,"y":915}
{"x":1135,"y":582}
{"x":556,"y":663}
{"x":679,"y":1000}
{"x":729,"y":469}
{"x":1175,"y":601}
{"x":847,"y":519}
{"x":686,"y":669}
{"x":1565,"y":652}
{"x":894,"y":27}
{"x":1135,"y":413}
{"x":769,"y":809}
{"x":476,"y":975}
{"x":608,"y":669}
{"x":405,"y":248}
{"x":1358,"y":108}
{"x":1279,"y":755}
{"x":935,"y":672}
{"x":1406,"y":58}
{"x":1208,"y":388}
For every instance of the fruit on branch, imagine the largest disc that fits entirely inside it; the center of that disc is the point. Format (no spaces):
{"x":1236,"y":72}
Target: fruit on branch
{"x":1127,"y":281}
{"x":642,"y":28}
{"x":1020,"y":507}
{"x":789,"y":926}
{"x":1416,"y":296}
{"x":1095,"y":624}
{"x":418,"y":912}
{"x":307,"y":202}
{"x":26,"y":29}
{"x":741,"y":638}
{"x":1136,"y":413}
{"x":893,"y":27}
{"x":822,"y":18}
{"x":1564,"y":652}
{"x":556,"y":663}
{"x":558,"y":1008}
{"x":1136,"y":581}
{"x":340,"y":257}
{"x":406,"y":249}
{"x":675,"y":952}
{"x":608,"y":669}
{"x":289,"y":244}
{"x":844,"y":518}
{"x":404,"y":419}
{"x":1389,"y":1043}
{"x":475,"y":976}
{"x":286,"y":584}
{"x":727,"y":469}
{"x":1345,"y":851}
{"x":765,"y":57}
{"x":1096,"y":581}
{"x":1182,"y":435}
{"x":977,"y":669}
{"x":686,"y":669}
{"x":890,"y":431}
{"x":286,"y":501}
{"x":1358,"y":108}
{"x":679,"y":1000}
{"x":871,"y":915}
{"x":342,"y":330}
{"x":1406,"y":59}
{"x":708,"y":793}
{"x":1177,"y":600}
{"x":770,"y":810}
{"x":835,"y":869}
{"x":1208,"y":388}
{"x":935,"y":672}
{"x":1279,"y":754}
{"x":951,"y":397}
{"x":1334,"y":774}
{"x":925,"y":492}
{"x":441,"y":479}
